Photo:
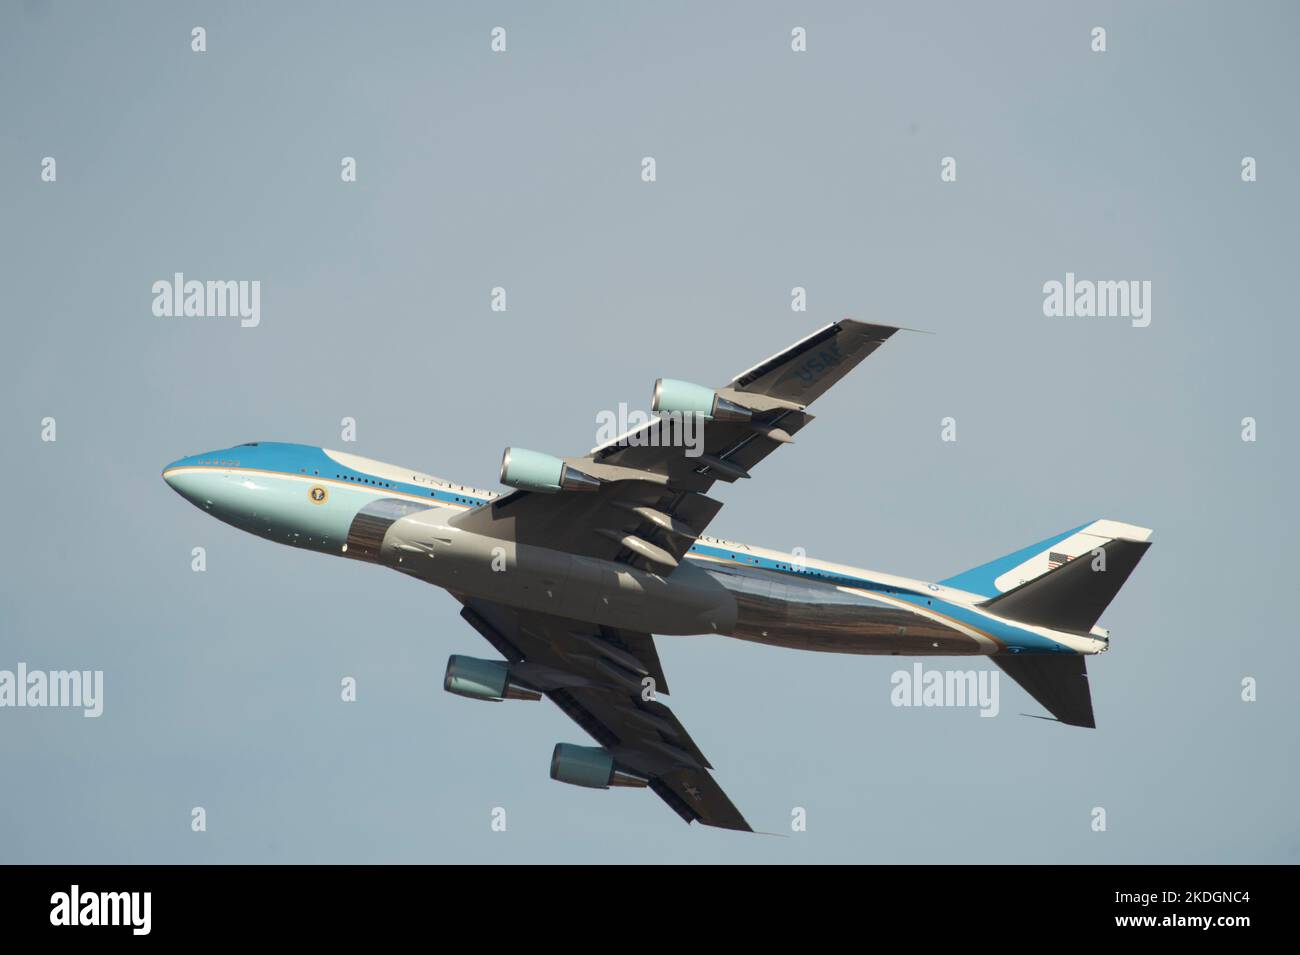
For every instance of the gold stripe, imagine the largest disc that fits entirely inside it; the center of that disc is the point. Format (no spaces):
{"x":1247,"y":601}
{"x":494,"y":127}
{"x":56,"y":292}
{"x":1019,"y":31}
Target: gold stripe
{"x":957,"y":624}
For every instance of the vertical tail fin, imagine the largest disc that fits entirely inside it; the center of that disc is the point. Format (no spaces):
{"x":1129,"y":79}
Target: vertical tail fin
{"x":1072,"y":596}
{"x":1063,"y":583}
{"x":1017,"y":568}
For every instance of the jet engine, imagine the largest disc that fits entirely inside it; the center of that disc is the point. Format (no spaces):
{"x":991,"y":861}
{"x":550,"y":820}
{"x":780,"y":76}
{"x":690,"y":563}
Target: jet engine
{"x":589,"y":766}
{"x":483,"y":680}
{"x":683,"y":397}
{"x":535,"y":471}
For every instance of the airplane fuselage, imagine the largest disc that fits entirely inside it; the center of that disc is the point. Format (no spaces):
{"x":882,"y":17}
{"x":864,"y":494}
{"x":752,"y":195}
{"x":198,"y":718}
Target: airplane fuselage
{"x":345,"y":505}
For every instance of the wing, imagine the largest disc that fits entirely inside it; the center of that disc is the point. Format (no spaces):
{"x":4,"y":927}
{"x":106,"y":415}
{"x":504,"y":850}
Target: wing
{"x":652,"y":504}
{"x":594,"y":674}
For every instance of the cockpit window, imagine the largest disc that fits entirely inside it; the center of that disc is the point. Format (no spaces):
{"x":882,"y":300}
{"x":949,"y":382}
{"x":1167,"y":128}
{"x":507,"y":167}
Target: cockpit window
{"x":248,"y":444}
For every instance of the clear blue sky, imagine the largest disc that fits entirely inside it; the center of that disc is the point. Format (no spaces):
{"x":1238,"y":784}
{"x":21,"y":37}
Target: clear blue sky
{"x":521,"y":170}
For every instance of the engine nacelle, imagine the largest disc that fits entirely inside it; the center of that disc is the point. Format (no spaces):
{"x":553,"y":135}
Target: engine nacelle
{"x":483,"y":680}
{"x":589,"y":766}
{"x":673,"y":396}
{"x":535,"y":471}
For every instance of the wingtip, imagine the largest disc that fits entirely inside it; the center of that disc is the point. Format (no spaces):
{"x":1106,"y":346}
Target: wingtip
{"x":891,"y":328}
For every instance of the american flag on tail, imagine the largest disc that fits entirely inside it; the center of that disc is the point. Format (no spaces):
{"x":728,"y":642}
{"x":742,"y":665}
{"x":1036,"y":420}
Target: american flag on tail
{"x":1055,"y":559}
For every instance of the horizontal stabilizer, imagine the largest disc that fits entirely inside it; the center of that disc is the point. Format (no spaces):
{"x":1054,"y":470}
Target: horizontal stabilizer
{"x":1072,"y":596}
{"x":1059,"y":683}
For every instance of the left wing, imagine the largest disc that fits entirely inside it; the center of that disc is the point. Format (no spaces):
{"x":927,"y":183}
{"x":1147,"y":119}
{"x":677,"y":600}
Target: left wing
{"x":651,"y":504}
{"x":594,"y":674}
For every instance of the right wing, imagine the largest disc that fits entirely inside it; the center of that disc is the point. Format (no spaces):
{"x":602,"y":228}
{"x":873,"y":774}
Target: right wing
{"x":594,"y":674}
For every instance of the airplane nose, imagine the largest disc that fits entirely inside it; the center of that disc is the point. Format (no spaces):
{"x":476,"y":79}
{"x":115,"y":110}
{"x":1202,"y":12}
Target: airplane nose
{"x":180,"y":480}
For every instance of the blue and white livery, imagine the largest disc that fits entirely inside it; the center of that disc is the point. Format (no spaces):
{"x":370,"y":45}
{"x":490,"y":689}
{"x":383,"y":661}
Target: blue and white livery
{"x":569,"y":574}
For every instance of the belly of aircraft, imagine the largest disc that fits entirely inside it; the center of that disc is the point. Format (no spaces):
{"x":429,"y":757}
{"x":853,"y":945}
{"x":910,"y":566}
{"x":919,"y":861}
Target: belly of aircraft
{"x":699,"y":597}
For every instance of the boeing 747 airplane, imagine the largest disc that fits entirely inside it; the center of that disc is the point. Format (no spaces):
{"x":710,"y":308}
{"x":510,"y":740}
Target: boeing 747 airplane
{"x":569,"y":574}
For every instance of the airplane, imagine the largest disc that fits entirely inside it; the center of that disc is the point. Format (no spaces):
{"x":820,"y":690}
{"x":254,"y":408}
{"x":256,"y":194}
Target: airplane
{"x":570,"y":573}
